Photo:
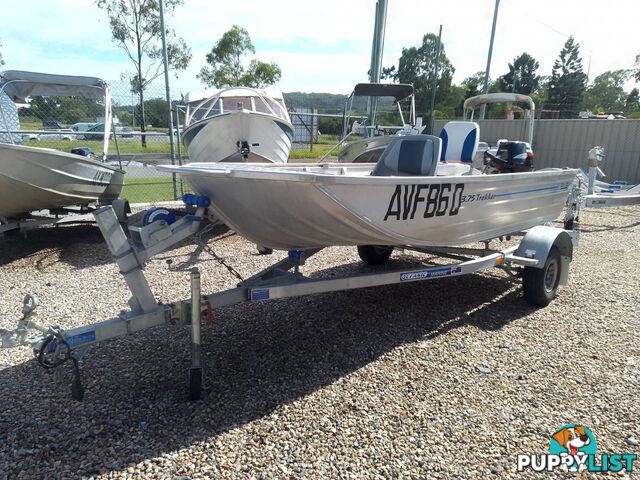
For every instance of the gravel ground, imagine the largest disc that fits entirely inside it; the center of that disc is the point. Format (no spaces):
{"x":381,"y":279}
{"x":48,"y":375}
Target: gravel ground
{"x":384,"y":382}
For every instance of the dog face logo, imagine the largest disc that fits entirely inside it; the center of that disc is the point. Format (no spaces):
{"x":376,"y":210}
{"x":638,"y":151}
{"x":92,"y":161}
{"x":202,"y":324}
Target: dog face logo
{"x":572,"y":438}
{"x":574,"y":441}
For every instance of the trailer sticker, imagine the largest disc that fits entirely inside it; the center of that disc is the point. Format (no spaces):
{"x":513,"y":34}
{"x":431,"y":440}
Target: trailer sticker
{"x":439,"y":199}
{"x":430,"y":273}
{"x":261,"y":294}
{"x":86,"y":337}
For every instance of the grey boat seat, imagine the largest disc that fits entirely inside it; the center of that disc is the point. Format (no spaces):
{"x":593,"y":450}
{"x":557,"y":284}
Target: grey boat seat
{"x":410,"y":155}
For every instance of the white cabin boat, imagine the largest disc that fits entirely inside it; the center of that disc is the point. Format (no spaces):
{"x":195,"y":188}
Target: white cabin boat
{"x":238,"y":124}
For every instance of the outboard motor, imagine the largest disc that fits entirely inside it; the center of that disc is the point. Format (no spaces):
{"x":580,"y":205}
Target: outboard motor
{"x":511,"y":157}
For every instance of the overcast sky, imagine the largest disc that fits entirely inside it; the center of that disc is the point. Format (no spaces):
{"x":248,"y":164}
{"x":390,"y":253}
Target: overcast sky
{"x":324,"y":46}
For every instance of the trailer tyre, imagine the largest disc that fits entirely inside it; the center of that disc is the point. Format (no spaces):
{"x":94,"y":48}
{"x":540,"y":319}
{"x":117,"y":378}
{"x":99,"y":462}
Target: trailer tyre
{"x":540,"y":285}
{"x":264,"y":250}
{"x":374,"y":254}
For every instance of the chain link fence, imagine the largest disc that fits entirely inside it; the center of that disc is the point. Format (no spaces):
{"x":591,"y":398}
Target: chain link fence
{"x":137,"y":146}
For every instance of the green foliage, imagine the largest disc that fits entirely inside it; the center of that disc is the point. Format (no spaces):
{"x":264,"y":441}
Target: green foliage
{"x":135,"y":27}
{"x":632,"y":103}
{"x":325,"y":102}
{"x":125,"y":116}
{"x":417,"y":66}
{"x":67,"y":110}
{"x":606,"y":92}
{"x":634,"y":116}
{"x":225,"y":67}
{"x":153,"y":189}
{"x":568,"y":82}
{"x":330,"y":125}
{"x":156,"y":111}
{"x":521,"y":77}
{"x":636,"y":73}
{"x":473,"y":85}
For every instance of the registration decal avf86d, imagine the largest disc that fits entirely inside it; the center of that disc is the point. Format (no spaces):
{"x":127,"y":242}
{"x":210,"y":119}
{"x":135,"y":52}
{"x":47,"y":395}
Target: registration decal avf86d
{"x":427,"y":201}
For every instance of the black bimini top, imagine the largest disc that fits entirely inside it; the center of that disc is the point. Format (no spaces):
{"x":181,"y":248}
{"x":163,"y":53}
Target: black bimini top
{"x":399,"y":91}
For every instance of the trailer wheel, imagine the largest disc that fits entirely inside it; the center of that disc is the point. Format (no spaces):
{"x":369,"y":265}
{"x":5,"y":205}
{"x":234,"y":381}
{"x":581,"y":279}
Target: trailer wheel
{"x":568,"y":224}
{"x":374,"y":254}
{"x":195,"y":384}
{"x":264,"y":250}
{"x":540,"y":285}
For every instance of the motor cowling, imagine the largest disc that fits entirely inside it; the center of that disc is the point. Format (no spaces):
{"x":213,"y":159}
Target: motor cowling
{"x":512,"y":156}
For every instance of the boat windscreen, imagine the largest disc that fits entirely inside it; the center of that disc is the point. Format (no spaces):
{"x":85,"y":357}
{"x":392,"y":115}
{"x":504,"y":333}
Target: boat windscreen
{"x":199,"y":110}
{"x":237,"y":103}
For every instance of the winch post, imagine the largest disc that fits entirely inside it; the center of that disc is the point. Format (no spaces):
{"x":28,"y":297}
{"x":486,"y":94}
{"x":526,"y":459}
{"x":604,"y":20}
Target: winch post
{"x":195,"y":373}
{"x":125,"y":257}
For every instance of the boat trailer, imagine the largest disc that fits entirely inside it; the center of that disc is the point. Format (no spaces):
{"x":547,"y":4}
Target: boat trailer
{"x":59,"y":216}
{"x":604,"y":195}
{"x":544,"y":251}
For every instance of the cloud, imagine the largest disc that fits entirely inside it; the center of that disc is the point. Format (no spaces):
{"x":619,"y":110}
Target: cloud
{"x":325,"y":46}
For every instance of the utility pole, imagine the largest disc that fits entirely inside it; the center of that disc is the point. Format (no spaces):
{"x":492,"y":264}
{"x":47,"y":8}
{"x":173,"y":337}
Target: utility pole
{"x":165,"y":60}
{"x":485,"y":89}
{"x":434,"y":85}
{"x":376,"y":53}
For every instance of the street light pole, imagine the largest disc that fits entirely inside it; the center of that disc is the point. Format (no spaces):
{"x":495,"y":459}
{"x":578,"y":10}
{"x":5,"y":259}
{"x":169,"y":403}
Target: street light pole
{"x":485,"y":89}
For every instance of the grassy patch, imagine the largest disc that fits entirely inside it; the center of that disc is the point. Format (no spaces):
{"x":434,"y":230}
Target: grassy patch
{"x":154,"y":189}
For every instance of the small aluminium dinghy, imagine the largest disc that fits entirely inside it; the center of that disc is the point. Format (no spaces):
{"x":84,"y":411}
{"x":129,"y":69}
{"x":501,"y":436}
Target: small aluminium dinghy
{"x":408,"y":198}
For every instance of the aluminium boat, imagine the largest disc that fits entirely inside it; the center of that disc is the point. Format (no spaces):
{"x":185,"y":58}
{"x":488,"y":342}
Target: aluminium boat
{"x":33,"y":178}
{"x":238,"y":124}
{"x":364,"y":141}
{"x":408,"y":198}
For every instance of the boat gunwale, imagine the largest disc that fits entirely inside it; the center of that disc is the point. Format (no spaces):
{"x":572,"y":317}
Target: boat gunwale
{"x":284,"y":173}
{"x":60,"y":153}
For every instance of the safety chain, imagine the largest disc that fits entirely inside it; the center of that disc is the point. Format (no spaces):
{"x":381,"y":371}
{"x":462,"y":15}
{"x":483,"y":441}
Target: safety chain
{"x":214,"y":255}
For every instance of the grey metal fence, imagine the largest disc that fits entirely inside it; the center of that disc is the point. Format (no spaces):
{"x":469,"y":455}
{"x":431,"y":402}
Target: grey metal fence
{"x":565,"y":143}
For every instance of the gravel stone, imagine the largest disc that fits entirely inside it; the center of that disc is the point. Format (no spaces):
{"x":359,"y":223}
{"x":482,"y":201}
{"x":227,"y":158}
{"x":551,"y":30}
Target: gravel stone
{"x":370,"y":383}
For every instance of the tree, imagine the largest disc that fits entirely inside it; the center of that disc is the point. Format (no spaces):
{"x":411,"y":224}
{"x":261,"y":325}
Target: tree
{"x":636,"y":74}
{"x":225,"y":63}
{"x":473,"y":85}
{"x":632,"y":103}
{"x":568,"y":82}
{"x":521,"y":77}
{"x":1,"y":59}
{"x":135,"y":27}
{"x":606,"y":92}
{"x":157,"y":113}
{"x":417,"y":66}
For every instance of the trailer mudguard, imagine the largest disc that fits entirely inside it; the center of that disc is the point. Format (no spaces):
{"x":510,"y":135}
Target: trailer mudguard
{"x":537,"y":244}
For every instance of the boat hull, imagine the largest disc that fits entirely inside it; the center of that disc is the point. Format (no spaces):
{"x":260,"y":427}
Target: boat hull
{"x":290,"y":208}
{"x":34,"y":178}
{"x":215,"y":139}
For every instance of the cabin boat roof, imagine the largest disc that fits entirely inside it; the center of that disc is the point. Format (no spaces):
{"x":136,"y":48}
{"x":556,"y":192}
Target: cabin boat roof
{"x":199,"y":95}
{"x":206,"y":104}
{"x":19,"y":85}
